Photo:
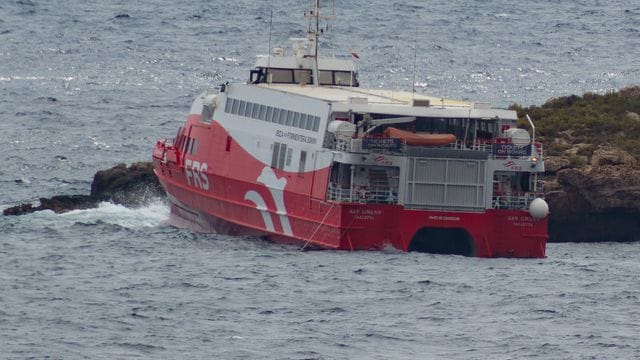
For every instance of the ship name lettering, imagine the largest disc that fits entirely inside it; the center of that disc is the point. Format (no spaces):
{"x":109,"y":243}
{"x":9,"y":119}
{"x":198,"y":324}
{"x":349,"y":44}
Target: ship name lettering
{"x":195,"y":172}
{"x":523,"y":224}
{"x":521,"y":221}
{"x":444,"y":218}
{"x":373,"y":212}
{"x":520,"y":218}
{"x":364,"y":217}
{"x":296,"y":137}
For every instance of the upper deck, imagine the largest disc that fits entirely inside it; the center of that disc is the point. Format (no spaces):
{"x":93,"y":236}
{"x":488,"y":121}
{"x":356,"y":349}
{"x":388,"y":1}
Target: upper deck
{"x":356,"y":99}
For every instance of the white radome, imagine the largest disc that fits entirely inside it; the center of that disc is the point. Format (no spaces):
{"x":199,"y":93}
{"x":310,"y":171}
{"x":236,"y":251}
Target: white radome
{"x":538,"y":208}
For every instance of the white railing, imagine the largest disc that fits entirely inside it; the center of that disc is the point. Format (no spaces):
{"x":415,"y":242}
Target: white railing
{"x":363,"y":195}
{"x":355,"y":146}
{"x":514,"y":201}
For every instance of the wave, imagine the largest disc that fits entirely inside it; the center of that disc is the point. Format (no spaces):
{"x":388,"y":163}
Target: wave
{"x":106,"y":213}
{"x":152,"y":215}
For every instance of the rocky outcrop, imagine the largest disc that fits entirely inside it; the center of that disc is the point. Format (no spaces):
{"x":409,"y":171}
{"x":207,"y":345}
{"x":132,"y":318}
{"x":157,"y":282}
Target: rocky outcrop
{"x":598,"y":202}
{"x":131,"y":186}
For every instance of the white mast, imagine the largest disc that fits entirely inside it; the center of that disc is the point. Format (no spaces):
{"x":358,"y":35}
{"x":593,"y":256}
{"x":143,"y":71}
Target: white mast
{"x":314,"y":36}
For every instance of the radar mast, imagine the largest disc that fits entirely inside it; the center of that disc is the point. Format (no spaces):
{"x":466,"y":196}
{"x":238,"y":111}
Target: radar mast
{"x":314,"y":35}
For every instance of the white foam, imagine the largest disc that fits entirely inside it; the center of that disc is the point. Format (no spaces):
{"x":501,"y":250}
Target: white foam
{"x":152,"y":215}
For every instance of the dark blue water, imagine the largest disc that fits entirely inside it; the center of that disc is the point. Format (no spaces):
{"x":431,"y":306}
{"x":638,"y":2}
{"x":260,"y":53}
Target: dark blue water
{"x":85,"y":86}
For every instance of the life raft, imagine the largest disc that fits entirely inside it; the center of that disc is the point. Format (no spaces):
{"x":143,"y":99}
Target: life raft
{"x":420,"y":139}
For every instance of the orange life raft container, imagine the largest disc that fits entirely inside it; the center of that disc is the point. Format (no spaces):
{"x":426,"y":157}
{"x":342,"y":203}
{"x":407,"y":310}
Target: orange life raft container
{"x":420,"y":139}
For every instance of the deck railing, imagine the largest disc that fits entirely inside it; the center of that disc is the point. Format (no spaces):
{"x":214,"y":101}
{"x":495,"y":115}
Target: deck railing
{"x":517,"y":201}
{"x":363,"y":195}
{"x":355,"y":146}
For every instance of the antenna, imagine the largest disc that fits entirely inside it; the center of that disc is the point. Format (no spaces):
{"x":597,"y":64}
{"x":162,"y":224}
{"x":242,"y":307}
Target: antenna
{"x":315,"y":35}
{"x":415,"y":61}
{"x":269,"y":49}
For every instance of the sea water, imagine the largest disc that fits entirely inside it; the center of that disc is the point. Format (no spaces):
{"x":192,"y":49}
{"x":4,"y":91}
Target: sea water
{"x":85,"y":86}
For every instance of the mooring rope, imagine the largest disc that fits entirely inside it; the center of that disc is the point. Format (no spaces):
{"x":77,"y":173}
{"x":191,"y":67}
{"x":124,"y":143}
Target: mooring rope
{"x":318,"y":228}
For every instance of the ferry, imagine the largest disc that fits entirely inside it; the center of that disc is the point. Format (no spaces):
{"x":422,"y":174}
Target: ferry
{"x":302,"y":154}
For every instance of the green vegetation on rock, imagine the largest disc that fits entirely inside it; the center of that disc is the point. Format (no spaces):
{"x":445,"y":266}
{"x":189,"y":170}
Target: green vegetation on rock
{"x":575,"y":126}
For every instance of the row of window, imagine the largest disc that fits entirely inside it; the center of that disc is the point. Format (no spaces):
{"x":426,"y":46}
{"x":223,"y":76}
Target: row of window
{"x":304,"y":76}
{"x":272,"y":114}
{"x":281,"y":156}
{"x":185,"y":143}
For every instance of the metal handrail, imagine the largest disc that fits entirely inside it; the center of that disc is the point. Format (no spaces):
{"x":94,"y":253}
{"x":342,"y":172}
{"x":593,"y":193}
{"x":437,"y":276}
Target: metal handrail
{"x":355,"y":146}
{"x":518,"y":201}
{"x":368,"y":195}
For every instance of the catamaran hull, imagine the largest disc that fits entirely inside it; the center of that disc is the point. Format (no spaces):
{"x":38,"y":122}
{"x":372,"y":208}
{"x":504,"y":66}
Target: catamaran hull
{"x":327,"y":225}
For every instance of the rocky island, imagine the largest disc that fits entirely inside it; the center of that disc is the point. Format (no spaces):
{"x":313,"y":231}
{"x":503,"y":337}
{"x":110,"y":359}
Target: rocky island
{"x":130,"y":186}
{"x":592,"y":179}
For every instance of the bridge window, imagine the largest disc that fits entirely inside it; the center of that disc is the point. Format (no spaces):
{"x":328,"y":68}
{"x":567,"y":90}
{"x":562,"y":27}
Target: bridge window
{"x":325,"y":77}
{"x":283,"y":76}
{"x":342,"y":77}
{"x":302,"y":76}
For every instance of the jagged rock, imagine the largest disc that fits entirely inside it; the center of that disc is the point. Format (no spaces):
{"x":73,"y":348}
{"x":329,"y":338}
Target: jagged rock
{"x":58,"y":204}
{"x":551,"y":185}
{"x":19,"y":210}
{"x":130,"y":186}
{"x":608,"y":155}
{"x":553,"y":164}
{"x":575,"y":149}
{"x":64,"y":203}
{"x":605,"y":187}
{"x":597,"y":203}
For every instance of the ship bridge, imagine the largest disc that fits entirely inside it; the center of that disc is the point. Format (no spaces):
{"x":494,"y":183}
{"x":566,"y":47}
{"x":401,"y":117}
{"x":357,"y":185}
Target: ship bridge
{"x":301,"y":67}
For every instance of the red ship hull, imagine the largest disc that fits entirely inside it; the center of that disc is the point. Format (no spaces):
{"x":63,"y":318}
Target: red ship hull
{"x":227,"y":190}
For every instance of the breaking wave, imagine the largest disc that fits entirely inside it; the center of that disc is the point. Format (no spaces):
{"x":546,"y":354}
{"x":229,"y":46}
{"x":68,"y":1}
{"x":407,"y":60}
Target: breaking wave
{"x":153,"y":215}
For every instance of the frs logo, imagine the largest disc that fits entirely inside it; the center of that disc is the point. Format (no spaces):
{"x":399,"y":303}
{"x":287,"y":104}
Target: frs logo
{"x":512,"y":165}
{"x":383,"y":160}
{"x":196,"y":174}
{"x":276,"y":188}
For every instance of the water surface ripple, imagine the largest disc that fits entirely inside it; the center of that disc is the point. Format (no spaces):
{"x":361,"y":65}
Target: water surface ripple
{"x":84,"y":86}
